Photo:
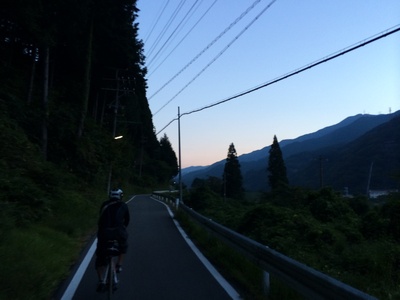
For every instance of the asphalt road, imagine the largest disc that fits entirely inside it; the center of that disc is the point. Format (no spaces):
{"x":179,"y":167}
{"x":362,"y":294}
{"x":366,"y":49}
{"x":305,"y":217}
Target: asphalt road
{"x":159,"y":263}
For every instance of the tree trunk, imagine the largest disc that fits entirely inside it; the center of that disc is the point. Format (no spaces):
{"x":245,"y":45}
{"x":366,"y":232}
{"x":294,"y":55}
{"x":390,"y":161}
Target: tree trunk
{"x":45,"y":102}
{"x":32,"y":79}
{"x":86,"y":80}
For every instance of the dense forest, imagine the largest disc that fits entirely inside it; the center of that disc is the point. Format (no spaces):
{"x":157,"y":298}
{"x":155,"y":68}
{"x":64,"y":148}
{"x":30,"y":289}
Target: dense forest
{"x":73,"y":79}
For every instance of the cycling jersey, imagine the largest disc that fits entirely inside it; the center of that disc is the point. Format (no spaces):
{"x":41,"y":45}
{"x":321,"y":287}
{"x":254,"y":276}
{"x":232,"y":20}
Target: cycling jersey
{"x":113,"y":220}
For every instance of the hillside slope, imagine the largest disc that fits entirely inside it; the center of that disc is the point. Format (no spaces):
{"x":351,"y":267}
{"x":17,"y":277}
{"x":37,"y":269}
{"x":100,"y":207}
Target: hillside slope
{"x":373,"y":158}
{"x":300,"y":154}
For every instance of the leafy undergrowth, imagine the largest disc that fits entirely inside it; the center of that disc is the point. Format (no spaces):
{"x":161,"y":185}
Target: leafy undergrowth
{"x":33,"y":261}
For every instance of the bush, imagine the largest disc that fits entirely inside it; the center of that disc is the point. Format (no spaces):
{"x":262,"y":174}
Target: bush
{"x":391,"y":211}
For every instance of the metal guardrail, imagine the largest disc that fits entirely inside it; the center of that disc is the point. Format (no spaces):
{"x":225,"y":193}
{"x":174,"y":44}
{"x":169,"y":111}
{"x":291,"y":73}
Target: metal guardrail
{"x":307,"y":281}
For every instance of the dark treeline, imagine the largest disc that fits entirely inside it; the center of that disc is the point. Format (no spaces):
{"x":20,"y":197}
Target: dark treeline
{"x":73,"y":76}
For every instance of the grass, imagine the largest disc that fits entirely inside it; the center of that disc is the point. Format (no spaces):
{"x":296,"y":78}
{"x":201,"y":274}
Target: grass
{"x":33,"y":261}
{"x":36,"y":256}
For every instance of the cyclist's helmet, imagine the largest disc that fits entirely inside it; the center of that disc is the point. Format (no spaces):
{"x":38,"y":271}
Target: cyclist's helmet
{"x":116,"y":194}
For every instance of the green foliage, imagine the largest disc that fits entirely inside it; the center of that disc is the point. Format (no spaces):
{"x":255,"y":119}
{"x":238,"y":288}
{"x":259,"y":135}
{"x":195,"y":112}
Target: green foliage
{"x":33,"y":260}
{"x":200,"y":197}
{"x":376,"y":262}
{"x":360,"y":205}
{"x":213,"y":183}
{"x":391,"y":211}
{"x":348,"y":239}
{"x":327,"y":206}
{"x":373,"y":226}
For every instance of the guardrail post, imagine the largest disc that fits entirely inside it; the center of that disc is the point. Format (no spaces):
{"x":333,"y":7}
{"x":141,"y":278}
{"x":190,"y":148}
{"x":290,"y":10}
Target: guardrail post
{"x":266,"y":283}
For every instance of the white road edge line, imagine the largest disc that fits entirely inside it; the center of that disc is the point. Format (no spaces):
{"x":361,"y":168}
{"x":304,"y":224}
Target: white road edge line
{"x":218,"y":277}
{"x":73,"y":285}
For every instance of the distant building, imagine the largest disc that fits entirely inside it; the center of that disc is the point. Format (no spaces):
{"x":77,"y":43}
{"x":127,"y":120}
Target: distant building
{"x":377,"y":193}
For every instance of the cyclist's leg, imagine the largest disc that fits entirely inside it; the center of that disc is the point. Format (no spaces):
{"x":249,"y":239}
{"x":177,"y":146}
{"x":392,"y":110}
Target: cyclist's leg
{"x":110,"y":280}
{"x":120,"y":259}
{"x":101,"y":260}
{"x":101,"y":264}
{"x":123,"y":247}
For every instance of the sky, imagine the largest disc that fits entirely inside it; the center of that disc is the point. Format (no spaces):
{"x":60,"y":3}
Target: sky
{"x":202,"y":52}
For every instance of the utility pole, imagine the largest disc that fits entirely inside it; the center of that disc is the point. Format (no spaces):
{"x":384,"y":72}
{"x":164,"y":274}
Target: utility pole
{"x":126,"y":85}
{"x":116,"y":106}
{"x":224,"y":183}
{"x":369,"y":178}
{"x":180,"y":160}
{"x":321,"y":173}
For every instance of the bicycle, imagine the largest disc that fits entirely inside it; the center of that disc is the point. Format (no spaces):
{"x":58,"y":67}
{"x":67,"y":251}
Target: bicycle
{"x":110,"y":278}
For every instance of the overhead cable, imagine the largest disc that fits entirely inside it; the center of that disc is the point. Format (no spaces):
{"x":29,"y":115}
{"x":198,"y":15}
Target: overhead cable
{"x":171,"y":19}
{"x":207,"y":47}
{"x":180,"y":42}
{"x":216,"y":57}
{"x":173,"y":32}
{"x":344,"y":51}
{"x":156,"y":21}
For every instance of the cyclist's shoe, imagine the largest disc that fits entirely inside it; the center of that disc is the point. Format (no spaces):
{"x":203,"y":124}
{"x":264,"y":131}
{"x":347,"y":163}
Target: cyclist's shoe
{"x":101,"y":287}
{"x":115,"y":287}
{"x":118,"y":268}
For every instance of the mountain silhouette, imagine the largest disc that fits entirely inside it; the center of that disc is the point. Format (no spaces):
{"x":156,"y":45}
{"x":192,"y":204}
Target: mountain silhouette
{"x":327,"y":156}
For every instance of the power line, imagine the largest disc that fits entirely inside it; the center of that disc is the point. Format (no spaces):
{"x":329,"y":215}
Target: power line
{"x":207,"y":47}
{"x":171,"y":19}
{"x":180,"y":42}
{"x":216,"y":57}
{"x":156,"y":21}
{"x":173,"y":32}
{"x":175,"y":36}
{"x":344,"y":51}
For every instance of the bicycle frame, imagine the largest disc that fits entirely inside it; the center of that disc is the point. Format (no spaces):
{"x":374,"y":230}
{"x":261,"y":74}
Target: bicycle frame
{"x":110,"y":278}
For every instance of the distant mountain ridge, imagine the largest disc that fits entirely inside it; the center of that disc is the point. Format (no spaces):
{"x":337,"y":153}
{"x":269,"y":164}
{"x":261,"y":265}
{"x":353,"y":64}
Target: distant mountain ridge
{"x":371,"y":161}
{"x":296,"y":152}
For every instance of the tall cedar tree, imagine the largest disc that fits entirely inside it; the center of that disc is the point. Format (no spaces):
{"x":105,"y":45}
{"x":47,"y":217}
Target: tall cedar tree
{"x":167,"y":155}
{"x":276,"y":168}
{"x":232,"y":176}
{"x":58,"y":66}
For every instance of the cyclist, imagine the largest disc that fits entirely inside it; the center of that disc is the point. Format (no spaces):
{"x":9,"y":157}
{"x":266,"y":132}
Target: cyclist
{"x":113,"y":220}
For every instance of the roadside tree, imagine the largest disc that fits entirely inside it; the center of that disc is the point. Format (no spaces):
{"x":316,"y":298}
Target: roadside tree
{"x":232,"y":176}
{"x":276,"y":168}
{"x":168,"y":156}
